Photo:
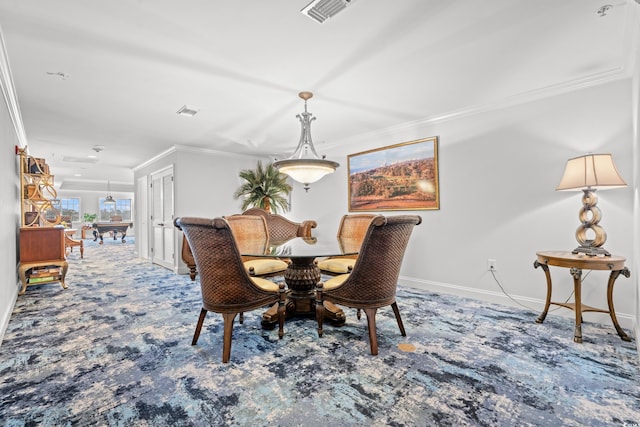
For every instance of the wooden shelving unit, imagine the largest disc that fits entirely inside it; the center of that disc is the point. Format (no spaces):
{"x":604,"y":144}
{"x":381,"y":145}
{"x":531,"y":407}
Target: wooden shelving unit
{"x":42,"y":241}
{"x":39,"y":203}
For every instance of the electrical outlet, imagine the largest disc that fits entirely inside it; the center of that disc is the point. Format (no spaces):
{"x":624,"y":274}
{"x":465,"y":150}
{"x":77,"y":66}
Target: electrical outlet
{"x":491,"y":265}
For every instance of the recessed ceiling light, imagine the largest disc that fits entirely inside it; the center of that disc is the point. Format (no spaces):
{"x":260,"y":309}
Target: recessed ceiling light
{"x":188,"y":111}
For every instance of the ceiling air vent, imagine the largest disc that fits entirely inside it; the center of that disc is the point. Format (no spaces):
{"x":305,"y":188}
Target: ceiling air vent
{"x":187,"y":111}
{"x":321,"y":10}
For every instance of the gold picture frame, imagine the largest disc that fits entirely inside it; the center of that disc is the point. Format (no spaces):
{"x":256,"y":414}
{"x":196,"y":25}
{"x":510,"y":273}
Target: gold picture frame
{"x":400,"y":177}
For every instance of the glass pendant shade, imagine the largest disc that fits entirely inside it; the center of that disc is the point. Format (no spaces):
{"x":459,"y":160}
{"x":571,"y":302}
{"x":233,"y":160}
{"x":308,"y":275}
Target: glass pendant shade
{"x":109,"y":200}
{"x":305,"y":165}
{"x":306,"y":171}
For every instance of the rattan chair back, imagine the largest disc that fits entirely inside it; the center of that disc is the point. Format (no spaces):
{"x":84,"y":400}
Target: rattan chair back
{"x":226,"y":285}
{"x":282,"y":229}
{"x":354,"y":226}
{"x":374,"y":278}
{"x":250,"y":232}
{"x":352,"y":229}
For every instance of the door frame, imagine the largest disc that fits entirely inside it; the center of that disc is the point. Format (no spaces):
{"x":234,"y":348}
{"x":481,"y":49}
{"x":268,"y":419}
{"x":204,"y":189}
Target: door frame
{"x":159,"y":174}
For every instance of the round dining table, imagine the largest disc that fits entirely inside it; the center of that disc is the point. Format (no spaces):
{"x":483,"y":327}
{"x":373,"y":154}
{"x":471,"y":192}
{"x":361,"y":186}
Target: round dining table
{"x":302,"y":274}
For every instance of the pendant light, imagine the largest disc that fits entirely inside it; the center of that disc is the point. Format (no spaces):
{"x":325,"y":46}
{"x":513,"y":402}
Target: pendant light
{"x":305,"y":165}
{"x":109,"y":200}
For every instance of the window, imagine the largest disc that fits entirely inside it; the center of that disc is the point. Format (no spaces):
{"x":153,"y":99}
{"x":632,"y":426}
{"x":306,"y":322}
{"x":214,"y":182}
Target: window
{"x":122,"y":207}
{"x":70,"y":208}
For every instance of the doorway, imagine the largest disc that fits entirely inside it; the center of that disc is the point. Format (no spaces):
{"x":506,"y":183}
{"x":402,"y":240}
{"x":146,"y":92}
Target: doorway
{"x":161,"y":217}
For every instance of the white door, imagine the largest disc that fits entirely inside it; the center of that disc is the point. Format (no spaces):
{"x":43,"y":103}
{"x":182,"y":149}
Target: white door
{"x":142,"y":216}
{"x":162,"y":244}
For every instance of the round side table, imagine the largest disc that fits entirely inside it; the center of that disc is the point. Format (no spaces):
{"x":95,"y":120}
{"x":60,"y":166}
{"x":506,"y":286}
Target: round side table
{"x":576,"y":263}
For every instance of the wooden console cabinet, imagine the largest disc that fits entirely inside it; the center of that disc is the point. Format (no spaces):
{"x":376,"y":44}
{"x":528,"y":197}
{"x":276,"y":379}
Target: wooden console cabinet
{"x":42,"y":256}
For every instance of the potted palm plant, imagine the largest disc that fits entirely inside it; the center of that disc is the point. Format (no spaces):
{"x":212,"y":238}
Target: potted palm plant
{"x":265,"y":188}
{"x":89,"y":218}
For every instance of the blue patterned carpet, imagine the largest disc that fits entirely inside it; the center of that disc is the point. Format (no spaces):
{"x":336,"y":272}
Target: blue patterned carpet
{"x":115,"y":349}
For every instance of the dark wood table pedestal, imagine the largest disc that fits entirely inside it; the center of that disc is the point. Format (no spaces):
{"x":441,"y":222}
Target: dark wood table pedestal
{"x":302,"y":275}
{"x":301,"y":278}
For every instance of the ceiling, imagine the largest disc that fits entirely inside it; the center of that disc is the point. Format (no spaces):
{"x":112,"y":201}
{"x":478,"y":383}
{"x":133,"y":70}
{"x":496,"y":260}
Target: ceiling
{"x":114,"y":73}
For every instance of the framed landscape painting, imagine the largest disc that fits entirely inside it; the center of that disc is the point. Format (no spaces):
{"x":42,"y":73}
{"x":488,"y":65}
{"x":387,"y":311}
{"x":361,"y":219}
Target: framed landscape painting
{"x":399,"y":177}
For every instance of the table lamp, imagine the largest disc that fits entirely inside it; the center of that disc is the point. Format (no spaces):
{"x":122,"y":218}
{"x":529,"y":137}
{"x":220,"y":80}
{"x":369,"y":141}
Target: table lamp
{"x":590,"y":173}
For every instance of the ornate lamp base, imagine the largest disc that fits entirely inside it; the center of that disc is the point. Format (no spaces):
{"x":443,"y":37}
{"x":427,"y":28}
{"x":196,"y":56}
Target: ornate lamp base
{"x":591,"y":250}
{"x":590,"y":216}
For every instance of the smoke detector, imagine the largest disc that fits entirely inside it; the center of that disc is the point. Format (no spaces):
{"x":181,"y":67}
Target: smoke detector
{"x":321,"y":10}
{"x":603,"y":10}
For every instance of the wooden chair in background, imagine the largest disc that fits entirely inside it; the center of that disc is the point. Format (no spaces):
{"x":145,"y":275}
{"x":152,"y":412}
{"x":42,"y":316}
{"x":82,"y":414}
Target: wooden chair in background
{"x":351,"y":227}
{"x":70,"y":242}
{"x":252,"y":236}
{"x":279,"y":228}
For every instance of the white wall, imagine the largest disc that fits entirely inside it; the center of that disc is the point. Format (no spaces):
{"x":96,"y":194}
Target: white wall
{"x":9,"y":218}
{"x":204,"y":183}
{"x":11,"y":135}
{"x":498,"y":171}
{"x":636,"y":174}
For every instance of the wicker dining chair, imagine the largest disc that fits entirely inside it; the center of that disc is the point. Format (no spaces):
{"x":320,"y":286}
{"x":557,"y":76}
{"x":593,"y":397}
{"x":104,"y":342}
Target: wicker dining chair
{"x":281,"y":228}
{"x":352,"y":226}
{"x":226,"y":286}
{"x":373,"y":281}
{"x":252,"y":236}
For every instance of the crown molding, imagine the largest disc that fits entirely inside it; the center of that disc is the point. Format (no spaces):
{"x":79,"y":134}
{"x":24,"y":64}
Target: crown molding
{"x":588,"y":81}
{"x":630,"y":65}
{"x":77,"y":185}
{"x":9,"y":94}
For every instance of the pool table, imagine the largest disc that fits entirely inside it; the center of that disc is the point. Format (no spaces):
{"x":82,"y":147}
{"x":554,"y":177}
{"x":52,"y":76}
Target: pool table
{"x":99,"y":228}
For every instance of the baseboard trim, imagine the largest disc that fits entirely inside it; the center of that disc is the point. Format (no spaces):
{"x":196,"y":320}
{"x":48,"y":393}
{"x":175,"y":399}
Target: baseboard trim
{"x":627,"y":321}
{"x":182,"y":269}
{"x":4,"y":322}
{"x":637,"y":334}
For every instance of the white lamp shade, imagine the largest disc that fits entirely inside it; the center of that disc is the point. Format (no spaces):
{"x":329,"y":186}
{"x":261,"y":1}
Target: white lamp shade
{"x":596,"y":171}
{"x":306,"y":172}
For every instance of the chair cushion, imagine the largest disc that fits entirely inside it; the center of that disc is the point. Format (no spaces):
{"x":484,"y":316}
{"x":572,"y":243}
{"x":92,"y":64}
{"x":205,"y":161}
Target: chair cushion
{"x":264,"y":284}
{"x":337,"y":265}
{"x":334,"y":282}
{"x":259,"y":267}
